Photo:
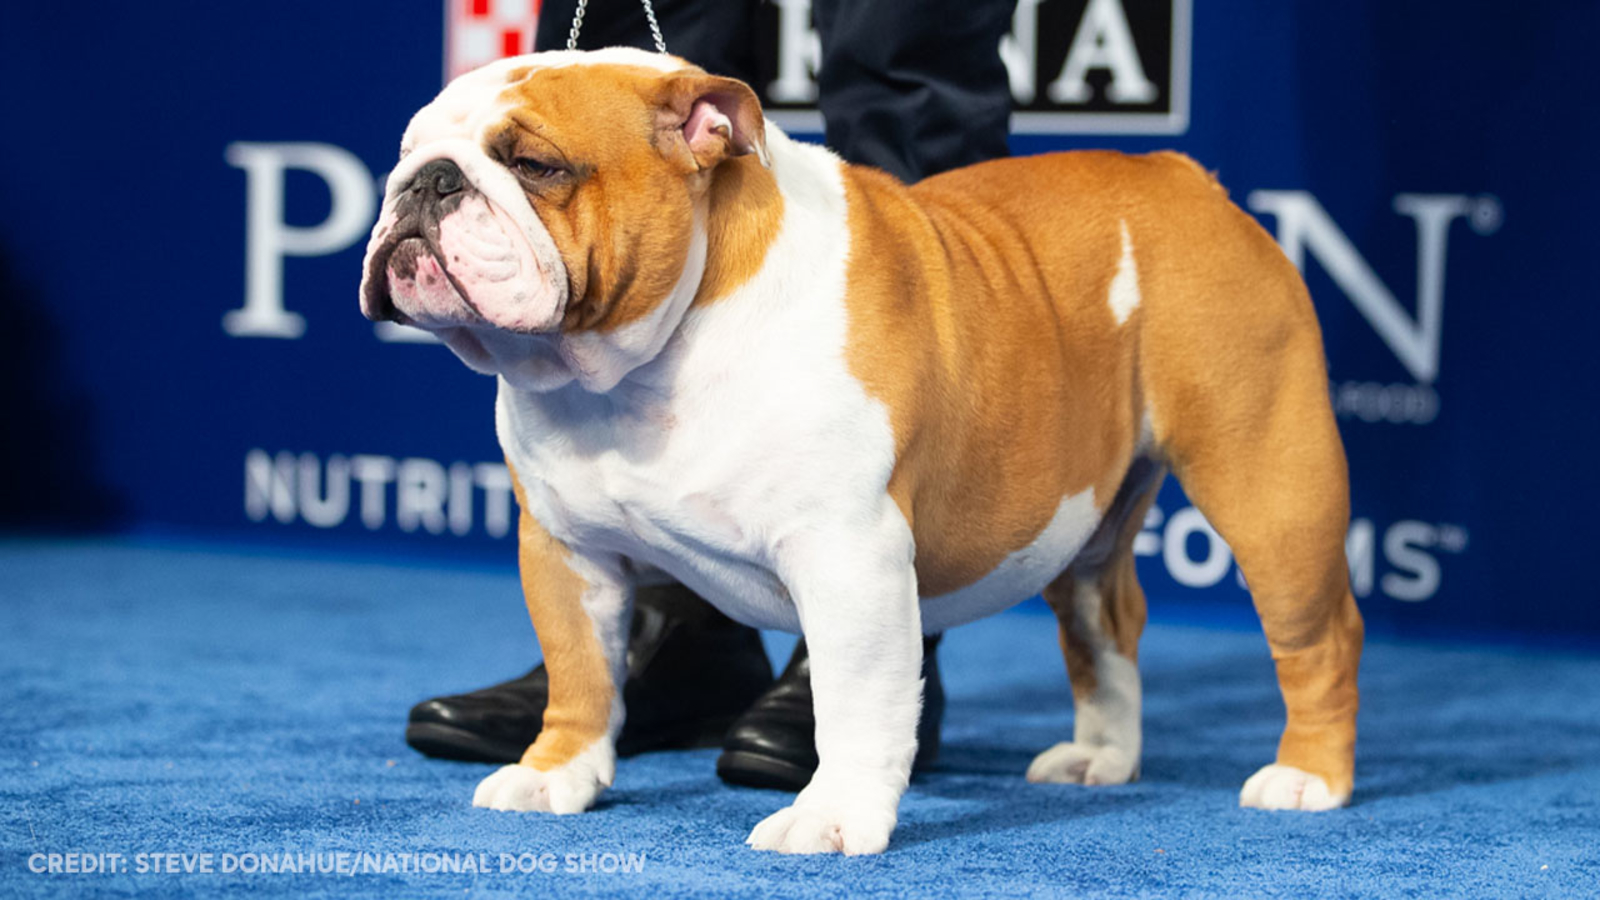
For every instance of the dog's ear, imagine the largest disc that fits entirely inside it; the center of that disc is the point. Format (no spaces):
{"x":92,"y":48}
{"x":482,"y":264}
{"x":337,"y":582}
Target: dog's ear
{"x":704,"y":119}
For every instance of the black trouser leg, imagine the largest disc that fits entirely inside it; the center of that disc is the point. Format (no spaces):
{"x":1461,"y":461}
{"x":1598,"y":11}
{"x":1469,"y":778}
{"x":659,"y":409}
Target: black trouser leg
{"x":914,"y":88}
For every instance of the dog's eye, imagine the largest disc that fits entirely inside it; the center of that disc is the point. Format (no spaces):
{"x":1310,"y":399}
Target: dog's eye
{"x":535,"y":170}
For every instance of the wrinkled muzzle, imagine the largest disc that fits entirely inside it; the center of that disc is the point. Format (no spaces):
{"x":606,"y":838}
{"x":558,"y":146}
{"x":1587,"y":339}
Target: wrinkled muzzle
{"x":446,"y":255}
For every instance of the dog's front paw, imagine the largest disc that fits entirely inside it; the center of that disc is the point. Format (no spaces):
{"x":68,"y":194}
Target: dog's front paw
{"x":1072,"y":763}
{"x":571,"y":788}
{"x":832,"y":815}
{"x":1285,"y":787}
{"x":851,"y":830}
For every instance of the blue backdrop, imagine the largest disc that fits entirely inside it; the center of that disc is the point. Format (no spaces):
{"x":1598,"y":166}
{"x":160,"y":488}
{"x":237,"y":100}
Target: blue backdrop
{"x":1426,"y":163}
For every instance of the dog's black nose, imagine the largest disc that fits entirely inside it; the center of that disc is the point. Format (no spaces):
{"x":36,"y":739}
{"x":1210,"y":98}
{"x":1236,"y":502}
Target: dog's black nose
{"x":442,"y":177}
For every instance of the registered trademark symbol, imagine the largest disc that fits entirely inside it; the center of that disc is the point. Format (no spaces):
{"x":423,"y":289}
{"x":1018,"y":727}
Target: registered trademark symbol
{"x":1486,"y":214}
{"x":1452,"y":538}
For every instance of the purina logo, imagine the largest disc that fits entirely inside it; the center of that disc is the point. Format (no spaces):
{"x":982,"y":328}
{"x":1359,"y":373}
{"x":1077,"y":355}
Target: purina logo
{"x":1075,"y":66}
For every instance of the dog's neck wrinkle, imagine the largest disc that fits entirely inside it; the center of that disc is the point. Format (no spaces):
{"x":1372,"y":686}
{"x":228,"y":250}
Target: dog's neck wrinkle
{"x":634,"y":420}
{"x":632,"y":400}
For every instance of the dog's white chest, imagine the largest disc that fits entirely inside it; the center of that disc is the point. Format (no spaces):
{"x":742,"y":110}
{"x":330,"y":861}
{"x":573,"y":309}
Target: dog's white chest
{"x":706,"y":486}
{"x":647,"y":490}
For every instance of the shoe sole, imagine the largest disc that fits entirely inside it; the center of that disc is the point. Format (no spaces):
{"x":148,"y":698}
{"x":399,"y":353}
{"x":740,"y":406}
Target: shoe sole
{"x":754,"y":770}
{"x":745,"y":769}
{"x":448,"y":742}
{"x":442,"y":741}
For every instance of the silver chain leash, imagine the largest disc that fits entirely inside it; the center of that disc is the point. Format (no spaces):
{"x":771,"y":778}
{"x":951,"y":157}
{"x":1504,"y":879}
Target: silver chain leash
{"x":655,"y":27}
{"x":577,"y":24}
{"x":649,"y":14}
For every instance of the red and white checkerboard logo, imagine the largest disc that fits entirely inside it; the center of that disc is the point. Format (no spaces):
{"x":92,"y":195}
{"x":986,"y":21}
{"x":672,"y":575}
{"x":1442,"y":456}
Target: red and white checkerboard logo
{"x":477,"y":32}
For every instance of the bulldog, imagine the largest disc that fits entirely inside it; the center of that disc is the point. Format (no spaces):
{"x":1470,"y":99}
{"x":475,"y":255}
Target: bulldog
{"x":832,"y":403}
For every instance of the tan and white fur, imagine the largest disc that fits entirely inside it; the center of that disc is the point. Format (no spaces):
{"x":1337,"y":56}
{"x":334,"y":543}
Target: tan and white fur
{"x":831,"y":403}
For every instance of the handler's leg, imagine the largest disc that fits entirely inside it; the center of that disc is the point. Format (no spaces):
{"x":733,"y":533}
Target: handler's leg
{"x":857,"y":598}
{"x":914,"y":88}
{"x":580,"y":612}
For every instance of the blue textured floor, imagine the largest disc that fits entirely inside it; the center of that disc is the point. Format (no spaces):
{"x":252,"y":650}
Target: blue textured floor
{"x":162,"y":699}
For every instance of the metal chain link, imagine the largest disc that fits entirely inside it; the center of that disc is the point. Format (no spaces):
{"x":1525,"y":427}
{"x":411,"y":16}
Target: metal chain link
{"x":655,"y":27}
{"x":577,"y":24}
{"x":649,"y":14}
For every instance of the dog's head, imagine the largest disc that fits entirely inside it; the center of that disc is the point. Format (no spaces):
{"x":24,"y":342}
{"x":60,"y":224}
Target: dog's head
{"x":555,"y":195}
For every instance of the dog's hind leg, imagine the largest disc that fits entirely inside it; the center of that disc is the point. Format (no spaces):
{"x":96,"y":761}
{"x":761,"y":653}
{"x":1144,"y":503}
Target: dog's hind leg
{"x":1100,"y":613}
{"x":1250,"y":433}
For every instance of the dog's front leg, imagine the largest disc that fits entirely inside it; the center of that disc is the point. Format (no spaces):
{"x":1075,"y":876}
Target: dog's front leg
{"x":857,"y":599}
{"x":580,"y":611}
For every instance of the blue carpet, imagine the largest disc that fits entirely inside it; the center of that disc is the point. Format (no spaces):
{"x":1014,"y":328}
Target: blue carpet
{"x":172,"y":699}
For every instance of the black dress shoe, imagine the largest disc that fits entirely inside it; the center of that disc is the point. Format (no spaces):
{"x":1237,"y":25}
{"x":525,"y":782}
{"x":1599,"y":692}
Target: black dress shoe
{"x":773,"y":745}
{"x":691,"y":672}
